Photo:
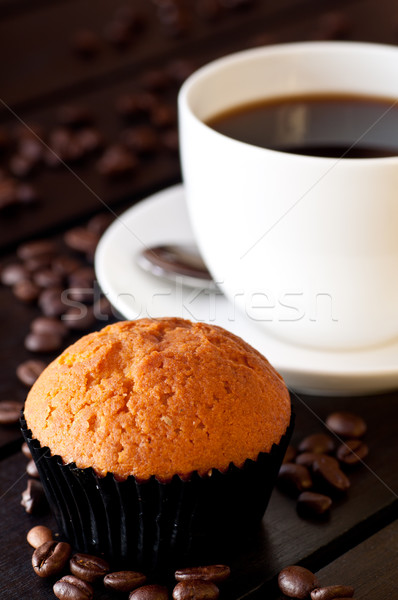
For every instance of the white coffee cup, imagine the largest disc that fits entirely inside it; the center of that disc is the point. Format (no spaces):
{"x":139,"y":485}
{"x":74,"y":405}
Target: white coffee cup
{"x":305,"y":246}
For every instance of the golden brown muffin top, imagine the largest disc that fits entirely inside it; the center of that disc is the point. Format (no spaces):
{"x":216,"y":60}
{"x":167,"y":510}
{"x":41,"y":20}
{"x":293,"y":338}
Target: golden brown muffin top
{"x":158,"y":397}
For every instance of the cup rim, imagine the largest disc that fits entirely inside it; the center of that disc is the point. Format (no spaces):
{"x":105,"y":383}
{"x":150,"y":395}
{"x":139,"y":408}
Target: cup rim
{"x":321,"y":47}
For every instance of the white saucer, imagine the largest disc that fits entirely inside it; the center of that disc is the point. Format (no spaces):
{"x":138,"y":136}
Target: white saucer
{"x":163,"y":218}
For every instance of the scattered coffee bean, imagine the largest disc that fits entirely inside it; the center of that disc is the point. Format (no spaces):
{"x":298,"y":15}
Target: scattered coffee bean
{"x":51,"y":303}
{"x":312,"y":503}
{"x":88,"y":567}
{"x":14,"y":273}
{"x":330,"y":477}
{"x":100,"y":223}
{"x":163,"y":115}
{"x":124,"y":581}
{"x":90,"y":139}
{"x":47,"y":278}
{"x":50,"y":558}
{"x":43,"y":342}
{"x":135,"y":104}
{"x":37,"y":262}
{"x":31,"y":469}
{"x":21,"y":166}
{"x":48,"y":325}
{"x":81,"y":239}
{"x":26,"y":291}
{"x":25,"y":451}
{"x":33,"y":498}
{"x":65,"y":265}
{"x":37,"y":248}
{"x":103,"y":309}
{"x":150,"y":592}
{"x":214,"y":573}
{"x":170,"y":140}
{"x":116,"y":161}
{"x":319,"y":443}
{"x":195,"y":589}
{"x":293,"y":478}
{"x":307,"y":459}
{"x":352,"y":452}
{"x":346,"y":424}
{"x":79,"y":318}
{"x":26,"y":194}
{"x":290,"y":454}
{"x":29,"y":371}
{"x":10,"y":411}
{"x":332,"y":592}
{"x":296,"y":582}
{"x":8,"y":192}
{"x":39,"y":535}
{"x":141,"y":139}
{"x":72,"y":588}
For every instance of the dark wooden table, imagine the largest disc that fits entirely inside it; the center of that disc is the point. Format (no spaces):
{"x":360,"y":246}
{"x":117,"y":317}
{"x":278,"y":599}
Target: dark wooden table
{"x":358,"y":543}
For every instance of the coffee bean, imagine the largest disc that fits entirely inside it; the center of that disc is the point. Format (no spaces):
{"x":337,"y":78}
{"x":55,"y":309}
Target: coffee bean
{"x":26,"y":194}
{"x":320,"y":443}
{"x":150,"y":592}
{"x":51,"y":303}
{"x":37,"y":248}
{"x":307,"y":459}
{"x":79,"y":318}
{"x":48,"y":325}
{"x":65,"y":265}
{"x":33,"y":498}
{"x":214,"y":573}
{"x":332,"y":592}
{"x":81,"y":239}
{"x":37,"y":262}
{"x":26,"y":291}
{"x":124,"y":581}
{"x":21,"y":166}
{"x":196,"y":589}
{"x":163,"y":115}
{"x":100,"y":223}
{"x":88,"y":567}
{"x":25,"y":451}
{"x":13,"y":273}
{"x":103,"y":309}
{"x":50,"y":558}
{"x":39,"y":535}
{"x":43,"y":342}
{"x":116,"y":161}
{"x":8,"y":192}
{"x":47,"y":278}
{"x":170,"y":140}
{"x":80,"y":294}
{"x":141,"y":139}
{"x":312,"y":503}
{"x":31,"y":148}
{"x":181,"y":68}
{"x":352,"y":452}
{"x":290,"y":454}
{"x":82,"y":277}
{"x":346,"y":424}
{"x":135,"y":104}
{"x":331,"y":477}
{"x":296,"y":582}
{"x":10,"y":411}
{"x":293,"y":478}
{"x":90,"y":139}
{"x":31,"y":469}
{"x":72,"y":588}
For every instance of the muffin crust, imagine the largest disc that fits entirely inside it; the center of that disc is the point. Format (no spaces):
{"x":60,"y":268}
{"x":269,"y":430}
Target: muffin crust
{"x":158,"y":397}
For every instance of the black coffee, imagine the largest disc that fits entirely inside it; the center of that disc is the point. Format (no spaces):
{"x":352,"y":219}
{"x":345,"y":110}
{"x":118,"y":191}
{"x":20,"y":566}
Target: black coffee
{"x":316,"y":125}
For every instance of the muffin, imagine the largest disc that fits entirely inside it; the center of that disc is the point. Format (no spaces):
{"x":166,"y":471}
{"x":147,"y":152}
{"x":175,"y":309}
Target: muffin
{"x":152,"y":435}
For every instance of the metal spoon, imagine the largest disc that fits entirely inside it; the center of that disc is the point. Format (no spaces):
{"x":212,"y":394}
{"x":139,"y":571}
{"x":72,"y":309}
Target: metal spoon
{"x":177,"y":262}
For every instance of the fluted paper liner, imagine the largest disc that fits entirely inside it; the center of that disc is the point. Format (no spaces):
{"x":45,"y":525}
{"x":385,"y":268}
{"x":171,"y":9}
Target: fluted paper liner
{"x":151,"y":525}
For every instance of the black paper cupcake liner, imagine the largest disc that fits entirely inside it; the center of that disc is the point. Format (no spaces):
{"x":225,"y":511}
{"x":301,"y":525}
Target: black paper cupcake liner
{"x":153,"y":525}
